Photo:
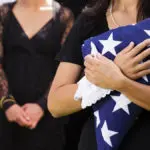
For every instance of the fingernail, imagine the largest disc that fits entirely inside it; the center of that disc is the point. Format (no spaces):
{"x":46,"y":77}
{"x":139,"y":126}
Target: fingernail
{"x":131,"y":42}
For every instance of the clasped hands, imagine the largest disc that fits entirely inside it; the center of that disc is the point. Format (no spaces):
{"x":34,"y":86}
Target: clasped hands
{"x":26,"y":116}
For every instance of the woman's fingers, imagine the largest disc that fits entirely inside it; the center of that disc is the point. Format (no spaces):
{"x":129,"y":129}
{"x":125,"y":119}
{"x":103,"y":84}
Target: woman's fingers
{"x":102,"y":59}
{"x":141,"y":74}
{"x":87,"y":65}
{"x":140,"y":57}
{"x":25,"y":115}
{"x":128,"y":48}
{"x":89,"y":75}
{"x":89,"y":59}
{"x":91,"y":62}
{"x":23,"y":120}
{"x":137,"y":49}
{"x":143,"y":66}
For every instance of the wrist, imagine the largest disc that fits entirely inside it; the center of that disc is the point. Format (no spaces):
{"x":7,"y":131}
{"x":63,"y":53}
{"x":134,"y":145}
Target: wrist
{"x":6,"y":102}
{"x":123,"y":84}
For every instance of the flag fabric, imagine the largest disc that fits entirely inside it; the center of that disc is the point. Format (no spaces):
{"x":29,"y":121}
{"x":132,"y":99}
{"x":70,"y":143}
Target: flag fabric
{"x":115,"y":114}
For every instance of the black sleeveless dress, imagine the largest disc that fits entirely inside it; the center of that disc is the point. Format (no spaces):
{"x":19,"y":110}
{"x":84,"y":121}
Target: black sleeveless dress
{"x":30,"y":66}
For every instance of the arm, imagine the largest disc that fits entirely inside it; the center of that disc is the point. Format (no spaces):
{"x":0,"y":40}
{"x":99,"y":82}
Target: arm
{"x":7,"y":99}
{"x":138,"y":93}
{"x":61,"y":97}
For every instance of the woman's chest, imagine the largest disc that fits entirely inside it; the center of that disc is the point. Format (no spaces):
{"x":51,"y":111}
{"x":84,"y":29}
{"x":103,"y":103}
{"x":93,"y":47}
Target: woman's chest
{"x":45,"y":42}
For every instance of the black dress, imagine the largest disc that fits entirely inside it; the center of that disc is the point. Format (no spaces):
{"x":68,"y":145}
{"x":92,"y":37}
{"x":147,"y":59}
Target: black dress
{"x":30,"y":66}
{"x":139,"y":135}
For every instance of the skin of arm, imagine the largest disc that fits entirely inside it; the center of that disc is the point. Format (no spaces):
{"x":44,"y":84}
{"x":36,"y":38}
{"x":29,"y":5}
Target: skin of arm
{"x":138,"y":93}
{"x":61,"y":97}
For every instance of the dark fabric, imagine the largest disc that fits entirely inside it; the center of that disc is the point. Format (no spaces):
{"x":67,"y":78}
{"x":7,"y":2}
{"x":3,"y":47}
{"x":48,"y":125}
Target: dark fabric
{"x":5,"y":132}
{"x":75,"y":5}
{"x":82,"y":29}
{"x":74,"y":129}
{"x":8,"y":105}
{"x":30,"y":66}
{"x":7,"y":102}
{"x":88,"y":138}
{"x":139,"y":135}
{"x":30,"y":62}
{"x":85,"y":27}
{"x":47,"y":135}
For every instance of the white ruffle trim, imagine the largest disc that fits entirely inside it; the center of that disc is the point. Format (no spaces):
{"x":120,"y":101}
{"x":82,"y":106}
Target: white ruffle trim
{"x":89,"y":93}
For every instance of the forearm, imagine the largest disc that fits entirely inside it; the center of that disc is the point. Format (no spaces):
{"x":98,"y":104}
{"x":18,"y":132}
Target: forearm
{"x":3,"y":83}
{"x":7,"y":100}
{"x":61,"y":101}
{"x":138,"y":93}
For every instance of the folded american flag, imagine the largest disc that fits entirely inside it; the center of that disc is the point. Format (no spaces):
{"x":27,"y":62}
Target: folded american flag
{"x":114,"y":113}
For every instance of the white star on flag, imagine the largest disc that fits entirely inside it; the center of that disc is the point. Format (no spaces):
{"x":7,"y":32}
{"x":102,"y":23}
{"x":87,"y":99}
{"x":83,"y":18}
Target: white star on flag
{"x":148,"y":32}
{"x":94,"y":50}
{"x":122,"y":102}
{"x":96,"y":114}
{"x":107,"y":134}
{"x":109,"y":45}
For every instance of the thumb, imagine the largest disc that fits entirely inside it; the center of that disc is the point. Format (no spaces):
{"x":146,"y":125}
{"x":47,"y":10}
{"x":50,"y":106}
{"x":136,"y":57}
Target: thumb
{"x":25,"y":106}
{"x":26,"y":116}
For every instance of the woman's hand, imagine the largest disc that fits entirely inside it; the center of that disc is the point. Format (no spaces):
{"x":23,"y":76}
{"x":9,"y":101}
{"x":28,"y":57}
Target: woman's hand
{"x":103,"y":72}
{"x":35,"y":112}
{"x":129,"y":60}
{"x":16,"y":114}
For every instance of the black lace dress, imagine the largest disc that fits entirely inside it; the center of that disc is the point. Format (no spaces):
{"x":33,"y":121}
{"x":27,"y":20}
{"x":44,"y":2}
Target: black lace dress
{"x":30,"y":66}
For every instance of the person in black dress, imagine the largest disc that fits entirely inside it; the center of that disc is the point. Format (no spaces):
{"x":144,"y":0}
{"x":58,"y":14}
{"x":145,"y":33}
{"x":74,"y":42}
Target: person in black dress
{"x":94,"y":21}
{"x":31,"y":38}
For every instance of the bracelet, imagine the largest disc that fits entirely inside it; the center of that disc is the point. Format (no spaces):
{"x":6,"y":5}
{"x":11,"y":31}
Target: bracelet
{"x":9,"y":100}
{"x":6,"y":99}
{"x":1,"y":101}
